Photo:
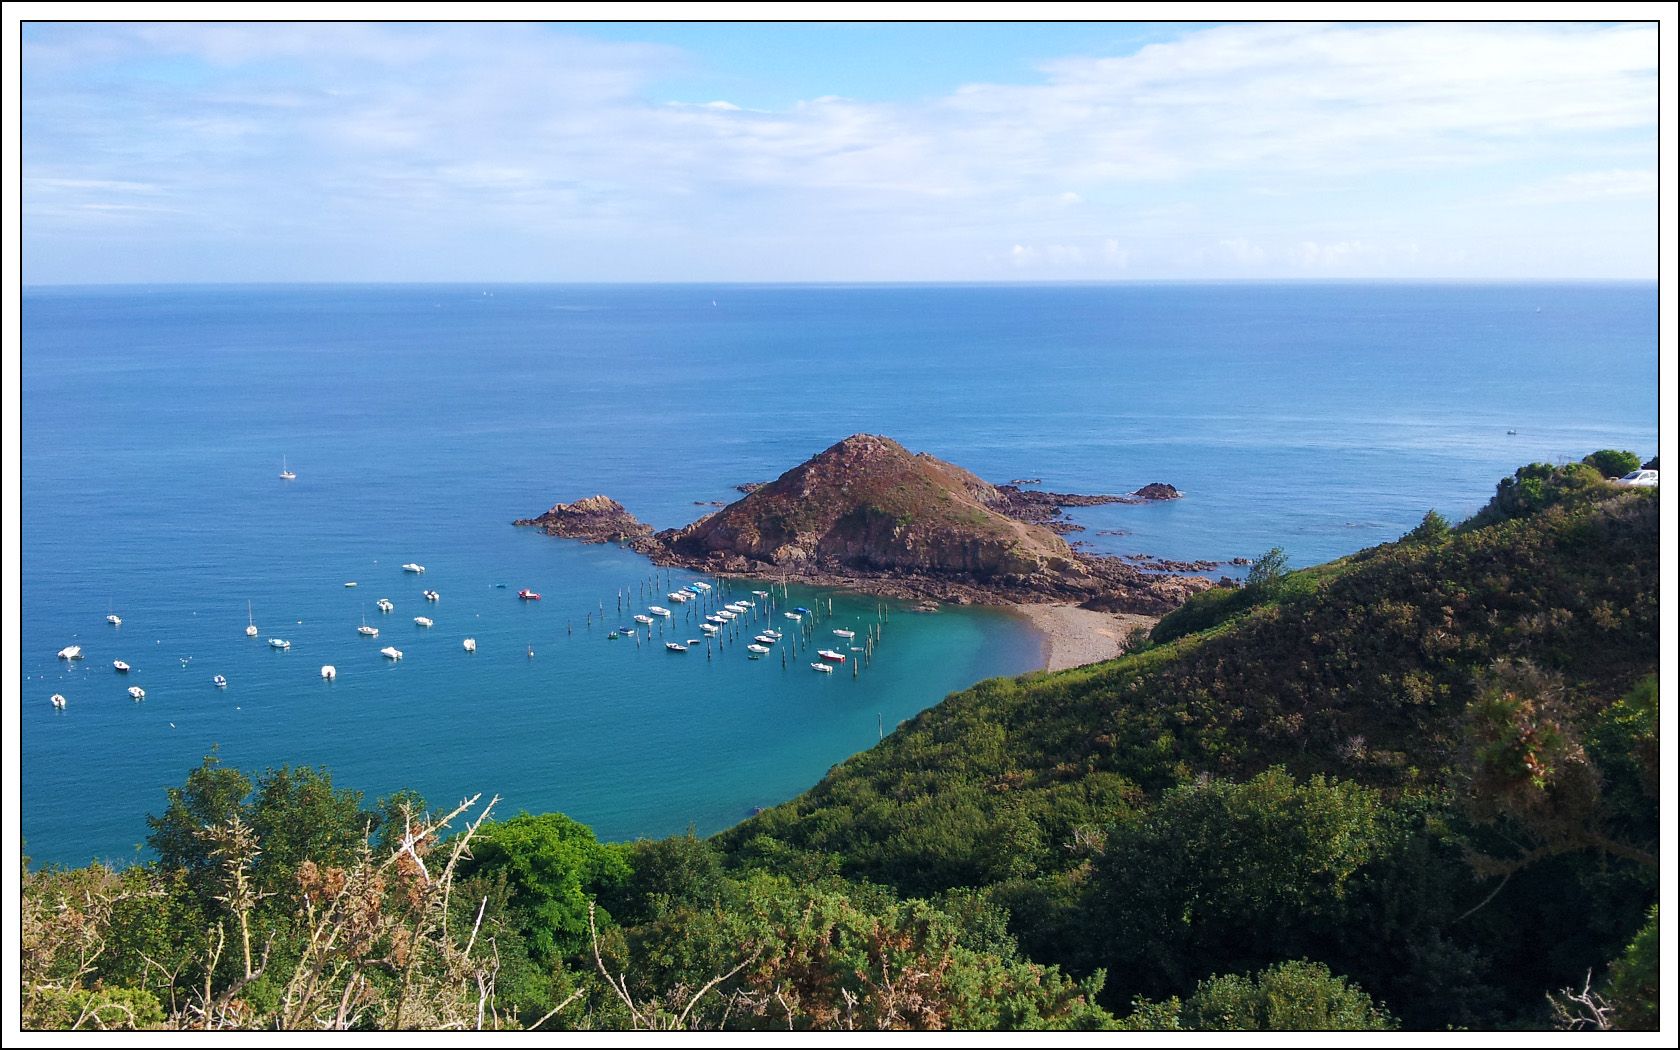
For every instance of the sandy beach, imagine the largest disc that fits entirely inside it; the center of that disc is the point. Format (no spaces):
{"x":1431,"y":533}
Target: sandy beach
{"x":1075,"y":636}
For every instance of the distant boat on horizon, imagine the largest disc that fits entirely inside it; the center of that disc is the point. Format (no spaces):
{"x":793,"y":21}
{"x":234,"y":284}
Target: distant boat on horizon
{"x":285,"y":471}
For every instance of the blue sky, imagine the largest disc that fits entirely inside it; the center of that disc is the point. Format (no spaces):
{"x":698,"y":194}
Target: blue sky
{"x":158,"y":152}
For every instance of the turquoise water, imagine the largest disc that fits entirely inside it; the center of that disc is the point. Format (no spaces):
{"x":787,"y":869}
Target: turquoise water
{"x":422,"y":420}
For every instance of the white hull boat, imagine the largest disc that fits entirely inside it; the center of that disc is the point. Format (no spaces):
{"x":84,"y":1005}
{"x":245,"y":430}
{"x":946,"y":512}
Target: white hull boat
{"x":391,"y":652}
{"x":329,"y":672}
{"x":470,"y":645}
{"x":70,"y":652}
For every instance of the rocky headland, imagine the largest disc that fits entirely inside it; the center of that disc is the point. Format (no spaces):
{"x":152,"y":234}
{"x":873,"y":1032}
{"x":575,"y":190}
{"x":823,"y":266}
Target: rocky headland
{"x":869,"y":514}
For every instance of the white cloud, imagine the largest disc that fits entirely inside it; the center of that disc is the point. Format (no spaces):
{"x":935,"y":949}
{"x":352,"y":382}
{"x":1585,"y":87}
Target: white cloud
{"x":1588,"y":186}
{"x":523,"y":129}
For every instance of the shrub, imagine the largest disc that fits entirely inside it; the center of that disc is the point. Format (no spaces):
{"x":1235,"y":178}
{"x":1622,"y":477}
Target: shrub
{"x":1611,"y":463}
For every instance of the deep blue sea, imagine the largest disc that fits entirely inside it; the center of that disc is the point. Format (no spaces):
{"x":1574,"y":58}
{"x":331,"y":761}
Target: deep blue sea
{"x":421,"y":420}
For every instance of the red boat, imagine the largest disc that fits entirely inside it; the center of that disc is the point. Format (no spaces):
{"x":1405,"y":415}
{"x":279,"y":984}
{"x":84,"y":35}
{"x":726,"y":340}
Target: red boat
{"x":529,"y":595}
{"x":832,"y":656}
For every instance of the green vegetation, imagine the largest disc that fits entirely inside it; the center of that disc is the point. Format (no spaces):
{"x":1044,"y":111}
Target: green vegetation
{"x":1415,"y":787}
{"x":1612,"y":464}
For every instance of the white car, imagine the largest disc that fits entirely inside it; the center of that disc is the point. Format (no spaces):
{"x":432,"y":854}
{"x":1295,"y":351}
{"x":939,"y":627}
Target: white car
{"x":1644,"y":479}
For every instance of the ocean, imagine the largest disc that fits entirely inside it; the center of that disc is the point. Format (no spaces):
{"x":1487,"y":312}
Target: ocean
{"x":421,"y":420}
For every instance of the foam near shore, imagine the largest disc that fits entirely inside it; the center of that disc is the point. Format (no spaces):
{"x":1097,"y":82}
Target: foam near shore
{"x":1074,"y":637}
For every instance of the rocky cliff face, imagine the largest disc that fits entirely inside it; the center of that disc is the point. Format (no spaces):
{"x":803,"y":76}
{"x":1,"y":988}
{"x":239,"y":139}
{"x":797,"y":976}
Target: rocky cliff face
{"x":869,"y":511}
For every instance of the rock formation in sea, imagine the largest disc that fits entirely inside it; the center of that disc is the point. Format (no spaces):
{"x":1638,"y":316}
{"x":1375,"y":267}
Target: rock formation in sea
{"x":869,"y":513}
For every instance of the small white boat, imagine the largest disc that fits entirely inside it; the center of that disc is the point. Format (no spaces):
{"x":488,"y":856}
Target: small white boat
{"x":657,"y":611}
{"x":220,"y":681}
{"x":728,"y":614}
{"x":765,"y":639}
{"x":350,"y":583}
{"x":773,"y":633}
{"x":136,"y":692}
{"x":759,"y":649}
{"x":761,"y":594}
{"x":411,"y":567}
{"x":840,"y":632}
{"x":824,"y":668}
{"x":119,"y":666}
{"x":679,"y":596}
{"x":430,"y":596}
{"x":391,"y":652}
{"x":692,"y":641}
{"x":384,"y":605}
{"x":70,"y":652}
{"x":423,"y":621}
{"x":371,"y":632}
{"x":740,"y":607}
{"x":710,"y":628}
{"x":702,"y":587}
{"x":794,"y":616}
{"x":642,"y":618}
{"x":676,"y":647}
{"x":470,"y":645}
{"x":329,"y":672}
{"x":279,"y":643}
{"x":250,"y":622}
{"x":58,"y":701}
{"x":285,"y":471}
{"x":114,"y":620}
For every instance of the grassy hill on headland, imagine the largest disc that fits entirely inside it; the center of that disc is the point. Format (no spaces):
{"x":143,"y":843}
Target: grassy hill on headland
{"x":1414,"y":787}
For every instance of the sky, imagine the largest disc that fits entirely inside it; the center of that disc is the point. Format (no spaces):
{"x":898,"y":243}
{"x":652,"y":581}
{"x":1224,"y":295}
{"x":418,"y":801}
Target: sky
{"x":392,"y":152}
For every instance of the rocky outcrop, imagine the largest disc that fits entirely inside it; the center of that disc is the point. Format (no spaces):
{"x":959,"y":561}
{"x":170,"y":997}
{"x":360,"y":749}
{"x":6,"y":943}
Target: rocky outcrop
{"x":869,"y":513}
{"x":594,"y":519}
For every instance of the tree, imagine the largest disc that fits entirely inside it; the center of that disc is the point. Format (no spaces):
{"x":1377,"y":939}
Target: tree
{"x":1271,"y":567}
{"x":1220,"y":874}
{"x":1432,"y":529}
{"x":1611,"y":463}
{"x":553,"y":868}
{"x":212,"y":795}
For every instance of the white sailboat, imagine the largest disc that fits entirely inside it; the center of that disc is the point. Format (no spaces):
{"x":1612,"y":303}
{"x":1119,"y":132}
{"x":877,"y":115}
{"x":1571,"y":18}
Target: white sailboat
{"x":285,"y":471}
{"x":250,"y":622}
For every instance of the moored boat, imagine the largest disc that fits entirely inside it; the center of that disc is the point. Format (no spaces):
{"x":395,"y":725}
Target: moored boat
{"x":710,"y":629}
{"x":470,"y":645}
{"x":219,"y":681}
{"x":136,"y":693}
{"x":329,"y":672}
{"x":765,"y":639}
{"x":114,"y":620}
{"x":385,"y":605}
{"x":642,"y":618}
{"x":371,"y":632}
{"x":423,"y":621}
{"x":119,"y":666}
{"x":676,"y":647}
{"x":824,"y":668}
{"x":657,"y":611}
{"x":793,"y":616}
{"x":279,"y":643}
{"x":350,"y":583}
{"x":58,"y":701}
{"x":70,"y":652}
{"x":716,"y":619}
{"x":430,"y":596}
{"x":250,"y":622}
{"x":841,"y":632}
{"x":679,"y":596}
{"x":759,"y":649}
{"x":529,"y":595}
{"x":391,"y":652}
{"x":411,"y":567}
{"x":761,"y":594}
{"x":830,"y":654}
